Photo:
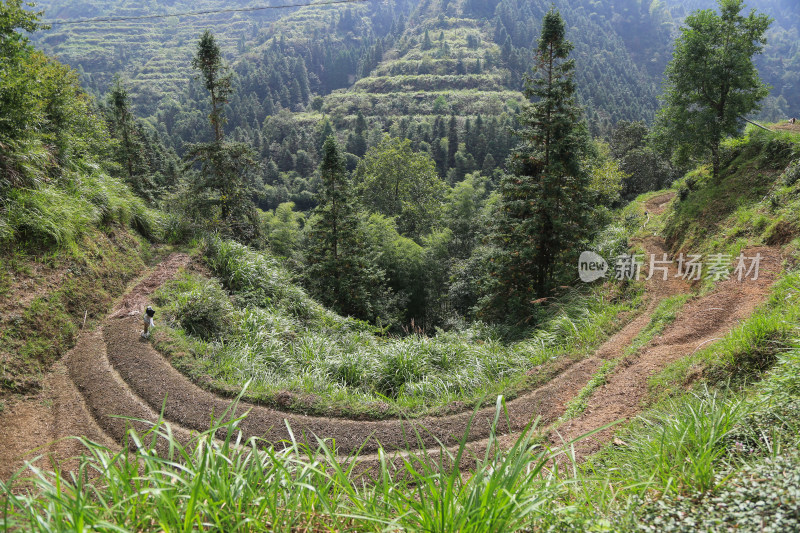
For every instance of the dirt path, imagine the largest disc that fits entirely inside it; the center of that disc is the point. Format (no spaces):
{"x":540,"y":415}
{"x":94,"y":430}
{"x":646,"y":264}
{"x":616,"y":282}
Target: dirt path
{"x":153,"y":380}
{"x":44,"y":424}
{"x":117,"y":374}
{"x":701,"y":322}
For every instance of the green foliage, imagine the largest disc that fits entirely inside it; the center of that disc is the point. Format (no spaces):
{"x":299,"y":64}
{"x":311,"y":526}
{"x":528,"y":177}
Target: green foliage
{"x":259,"y":279}
{"x":341,"y":271}
{"x":54,"y":176}
{"x":762,"y":496}
{"x":679,"y":446}
{"x":401,"y":259}
{"x":646,"y":168}
{"x":712,"y":82}
{"x":545,"y":209}
{"x":58,"y":217}
{"x":285,"y":341}
{"x":792,"y":173}
{"x":18,"y":114}
{"x":216,"y":79}
{"x":747,"y":204}
{"x":146,"y":165}
{"x":396,"y":181}
{"x":200,"y":307}
{"x":605,"y":176}
{"x":216,"y":481}
{"x":220,"y":195}
{"x":282,"y":229}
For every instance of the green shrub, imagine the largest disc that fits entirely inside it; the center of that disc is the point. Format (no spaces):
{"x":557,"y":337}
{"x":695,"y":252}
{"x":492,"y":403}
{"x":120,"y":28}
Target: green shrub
{"x":762,"y":497}
{"x":49,"y":216}
{"x":201,"y":307}
{"x":402,"y":364}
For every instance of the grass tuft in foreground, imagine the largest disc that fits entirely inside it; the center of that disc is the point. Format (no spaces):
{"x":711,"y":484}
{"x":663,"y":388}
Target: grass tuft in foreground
{"x":229,"y":485}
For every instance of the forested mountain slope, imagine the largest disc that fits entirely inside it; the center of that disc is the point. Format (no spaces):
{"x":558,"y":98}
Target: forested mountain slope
{"x":372,"y":52}
{"x":446,"y":74}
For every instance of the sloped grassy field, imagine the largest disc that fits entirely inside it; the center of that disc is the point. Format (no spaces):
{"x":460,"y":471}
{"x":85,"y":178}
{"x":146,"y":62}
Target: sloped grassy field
{"x":712,"y":459}
{"x":250,"y":323}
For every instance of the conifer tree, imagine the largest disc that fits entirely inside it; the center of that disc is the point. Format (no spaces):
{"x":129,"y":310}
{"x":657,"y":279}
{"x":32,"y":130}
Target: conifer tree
{"x":452,"y":142}
{"x":216,"y":79}
{"x":340,"y":272}
{"x":130,"y":150}
{"x":427,"y":44}
{"x":544,"y":196}
{"x":222,"y":193}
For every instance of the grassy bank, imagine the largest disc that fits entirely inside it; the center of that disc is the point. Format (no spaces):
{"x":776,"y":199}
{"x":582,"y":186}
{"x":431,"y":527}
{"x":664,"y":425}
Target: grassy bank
{"x":251,"y":324}
{"x":706,"y":460}
{"x":49,"y":297}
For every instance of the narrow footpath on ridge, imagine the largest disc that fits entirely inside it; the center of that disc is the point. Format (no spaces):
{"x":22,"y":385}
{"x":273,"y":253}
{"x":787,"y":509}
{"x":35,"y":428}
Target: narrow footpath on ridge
{"x":113,"y":376}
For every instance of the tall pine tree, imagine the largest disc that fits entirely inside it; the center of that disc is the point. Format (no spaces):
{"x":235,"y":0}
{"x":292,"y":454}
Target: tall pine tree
{"x":341,"y":273}
{"x":544,"y":209}
{"x":216,"y":78}
{"x":221,"y":194}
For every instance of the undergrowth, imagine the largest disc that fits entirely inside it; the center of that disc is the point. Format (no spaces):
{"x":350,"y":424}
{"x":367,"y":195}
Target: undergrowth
{"x":230,"y":485}
{"x":269,"y":332}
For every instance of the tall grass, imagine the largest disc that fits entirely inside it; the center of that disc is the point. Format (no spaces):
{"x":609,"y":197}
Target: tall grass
{"x":56,"y":214}
{"x":678,"y":446}
{"x":229,"y":485}
{"x":280,"y":339}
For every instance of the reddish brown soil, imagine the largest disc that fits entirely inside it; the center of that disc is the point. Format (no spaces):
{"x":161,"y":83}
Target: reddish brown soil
{"x":118,"y":374}
{"x":43,"y":426}
{"x":135,"y":301}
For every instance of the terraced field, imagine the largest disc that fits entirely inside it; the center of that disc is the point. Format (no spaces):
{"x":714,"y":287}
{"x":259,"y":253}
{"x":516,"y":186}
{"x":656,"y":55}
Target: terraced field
{"x":154,"y":55}
{"x":123,"y":381}
{"x":448,"y":66}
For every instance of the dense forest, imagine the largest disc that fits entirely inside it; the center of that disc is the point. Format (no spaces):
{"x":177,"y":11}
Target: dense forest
{"x":442,"y":74}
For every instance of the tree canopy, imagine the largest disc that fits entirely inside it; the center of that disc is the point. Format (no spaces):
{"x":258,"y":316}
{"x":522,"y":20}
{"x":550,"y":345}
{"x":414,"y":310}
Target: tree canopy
{"x":397,"y":181}
{"x":711,"y":82}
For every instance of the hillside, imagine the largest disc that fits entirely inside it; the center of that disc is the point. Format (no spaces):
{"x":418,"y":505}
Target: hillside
{"x":357,"y":331}
{"x":718,"y":348}
{"x":368,"y":66}
{"x":364,"y":57}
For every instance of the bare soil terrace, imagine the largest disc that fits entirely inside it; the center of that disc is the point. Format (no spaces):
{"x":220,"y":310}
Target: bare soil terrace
{"x":113,"y":376}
